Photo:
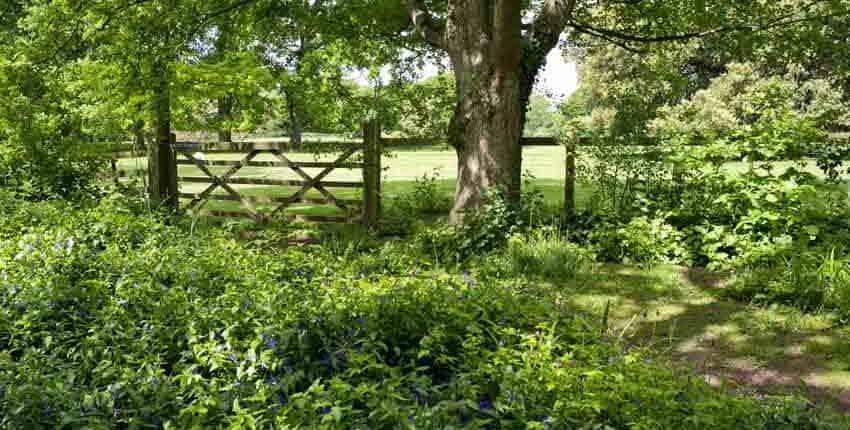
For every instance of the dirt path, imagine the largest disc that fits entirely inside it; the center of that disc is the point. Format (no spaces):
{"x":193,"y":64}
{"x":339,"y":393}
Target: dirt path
{"x":680,"y":312}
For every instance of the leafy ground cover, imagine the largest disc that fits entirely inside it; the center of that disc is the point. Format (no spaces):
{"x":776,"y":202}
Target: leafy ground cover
{"x":112,"y":319}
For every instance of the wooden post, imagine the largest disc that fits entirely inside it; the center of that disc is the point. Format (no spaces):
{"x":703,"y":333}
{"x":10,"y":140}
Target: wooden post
{"x":570,"y":178}
{"x":113,"y":164}
{"x":371,"y":173}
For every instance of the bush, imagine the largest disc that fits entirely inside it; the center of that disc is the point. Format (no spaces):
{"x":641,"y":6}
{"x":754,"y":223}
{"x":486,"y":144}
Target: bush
{"x":810,"y":279}
{"x":642,"y":240}
{"x":110,"y":319}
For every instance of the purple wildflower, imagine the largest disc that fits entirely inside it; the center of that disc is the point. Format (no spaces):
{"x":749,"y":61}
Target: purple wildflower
{"x":269,"y":341}
{"x":485,"y":404}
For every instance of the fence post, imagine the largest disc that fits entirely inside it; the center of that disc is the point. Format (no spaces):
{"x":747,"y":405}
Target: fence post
{"x":371,"y":172}
{"x":570,"y":177}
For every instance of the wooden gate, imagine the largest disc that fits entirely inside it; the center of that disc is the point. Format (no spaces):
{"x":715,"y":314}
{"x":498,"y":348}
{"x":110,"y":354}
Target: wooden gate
{"x":364,"y":210}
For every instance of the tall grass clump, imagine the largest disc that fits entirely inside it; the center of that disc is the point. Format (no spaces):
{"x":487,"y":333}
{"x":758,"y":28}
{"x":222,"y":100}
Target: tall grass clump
{"x":546,"y":254}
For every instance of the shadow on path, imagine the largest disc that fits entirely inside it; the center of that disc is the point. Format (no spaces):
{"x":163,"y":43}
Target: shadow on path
{"x":753,"y":349}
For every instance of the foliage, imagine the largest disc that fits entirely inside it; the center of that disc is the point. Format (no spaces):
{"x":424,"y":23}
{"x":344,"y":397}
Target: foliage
{"x":642,"y":240}
{"x":41,"y":137}
{"x":808,"y":278}
{"x":482,"y":231}
{"x":425,"y":198}
{"x":112,"y":319}
{"x":541,"y":119}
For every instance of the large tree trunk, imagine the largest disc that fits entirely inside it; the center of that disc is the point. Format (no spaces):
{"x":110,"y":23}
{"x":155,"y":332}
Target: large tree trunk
{"x":484,"y":43}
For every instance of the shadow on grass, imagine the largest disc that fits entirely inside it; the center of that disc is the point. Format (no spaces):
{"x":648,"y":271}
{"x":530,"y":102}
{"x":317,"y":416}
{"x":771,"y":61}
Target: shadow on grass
{"x":677,"y":313}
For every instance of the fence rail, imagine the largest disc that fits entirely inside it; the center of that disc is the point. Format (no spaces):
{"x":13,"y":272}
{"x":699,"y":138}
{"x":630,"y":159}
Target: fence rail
{"x":371,"y":145}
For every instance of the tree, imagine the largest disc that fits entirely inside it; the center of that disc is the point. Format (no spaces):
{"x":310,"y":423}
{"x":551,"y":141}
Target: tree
{"x":496,"y":59}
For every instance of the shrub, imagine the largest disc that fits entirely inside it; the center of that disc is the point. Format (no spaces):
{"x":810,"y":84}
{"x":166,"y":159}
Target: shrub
{"x":642,"y":240}
{"x":810,"y":279}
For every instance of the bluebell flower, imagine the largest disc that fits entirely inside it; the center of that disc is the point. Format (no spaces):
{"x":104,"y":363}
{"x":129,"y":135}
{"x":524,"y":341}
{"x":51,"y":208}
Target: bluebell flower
{"x":322,"y":410}
{"x":361,"y":320}
{"x":485,"y":404}
{"x":272,"y":380}
{"x":468,"y":278}
{"x":411,"y":417}
{"x":231,"y":356}
{"x":282,"y":398}
{"x":326,"y":360}
{"x":269,"y":341}
{"x":341,"y":356}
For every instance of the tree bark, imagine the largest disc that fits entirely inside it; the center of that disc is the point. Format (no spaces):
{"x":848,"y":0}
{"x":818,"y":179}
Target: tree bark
{"x":225,"y":115}
{"x":294,"y":121}
{"x":484,"y":44}
{"x":138,"y":135}
{"x":495,"y":68}
{"x":162,"y":168}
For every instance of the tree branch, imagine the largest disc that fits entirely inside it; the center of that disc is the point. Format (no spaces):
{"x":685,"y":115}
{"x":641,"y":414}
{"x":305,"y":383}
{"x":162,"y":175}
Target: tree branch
{"x":624,"y":38}
{"x":552,"y":19}
{"x":433,"y":33}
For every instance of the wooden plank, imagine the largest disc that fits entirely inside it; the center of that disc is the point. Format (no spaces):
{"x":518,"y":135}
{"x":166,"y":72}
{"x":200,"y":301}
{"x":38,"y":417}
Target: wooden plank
{"x":570,"y":180}
{"x":411,"y":141}
{"x":313,"y":182}
{"x":338,"y":219}
{"x":247,"y":146}
{"x":266,"y":181}
{"x":406,"y":141}
{"x":270,"y":199}
{"x":226,"y":214}
{"x":304,"y":164}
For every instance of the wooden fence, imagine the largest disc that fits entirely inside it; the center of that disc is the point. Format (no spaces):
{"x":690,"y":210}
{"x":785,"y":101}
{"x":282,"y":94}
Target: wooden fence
{"x":194,"y":154}
{"x":365,"y":210}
